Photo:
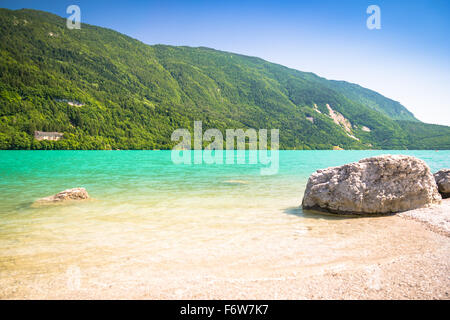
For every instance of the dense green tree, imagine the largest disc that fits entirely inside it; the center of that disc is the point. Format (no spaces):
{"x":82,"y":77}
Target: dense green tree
{"x":105,"y":90}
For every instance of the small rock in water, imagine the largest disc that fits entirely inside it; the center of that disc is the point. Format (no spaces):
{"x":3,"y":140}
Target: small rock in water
{"x":69,"y":194}
{"x":442,"y":178}
{"x":377,"y":185}
{"x":236,"y":182}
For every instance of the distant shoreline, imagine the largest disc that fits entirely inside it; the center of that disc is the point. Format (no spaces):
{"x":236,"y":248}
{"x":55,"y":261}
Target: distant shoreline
{"x":222,"y":150}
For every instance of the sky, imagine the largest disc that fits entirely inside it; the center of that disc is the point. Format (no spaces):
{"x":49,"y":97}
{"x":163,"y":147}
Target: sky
{"x":407,"y":59}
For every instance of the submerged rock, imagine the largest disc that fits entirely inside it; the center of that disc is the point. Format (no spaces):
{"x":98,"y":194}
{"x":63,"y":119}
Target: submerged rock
{"x":377,"y":185}
{"x":69,"y":194}
{"x":236,"y":182}
{"x":442,"y":178}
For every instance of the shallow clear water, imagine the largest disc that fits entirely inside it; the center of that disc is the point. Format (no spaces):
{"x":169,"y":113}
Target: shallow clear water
{"x":151,"y":219}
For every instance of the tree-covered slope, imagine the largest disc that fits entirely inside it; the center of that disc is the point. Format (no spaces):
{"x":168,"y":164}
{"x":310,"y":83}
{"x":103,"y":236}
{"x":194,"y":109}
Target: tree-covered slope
{"x":105,"y":90}
{"x":422,"y":135}
{"x":372,"y":99}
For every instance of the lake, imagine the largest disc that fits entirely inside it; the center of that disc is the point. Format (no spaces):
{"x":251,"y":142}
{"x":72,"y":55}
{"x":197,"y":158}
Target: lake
{"x":159,"y":230}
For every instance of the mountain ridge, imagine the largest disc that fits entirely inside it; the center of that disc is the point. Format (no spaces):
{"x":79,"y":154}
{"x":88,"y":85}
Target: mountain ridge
{"x":130,"y":95}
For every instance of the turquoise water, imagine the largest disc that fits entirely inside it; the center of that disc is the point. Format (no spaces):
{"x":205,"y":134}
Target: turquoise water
{"x":148,"y":176}
{"x":153,"y":222}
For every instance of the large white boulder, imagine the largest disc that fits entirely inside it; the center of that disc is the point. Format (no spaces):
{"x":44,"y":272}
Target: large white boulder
{"x":442,"y":178}
{"x":377,"y":185}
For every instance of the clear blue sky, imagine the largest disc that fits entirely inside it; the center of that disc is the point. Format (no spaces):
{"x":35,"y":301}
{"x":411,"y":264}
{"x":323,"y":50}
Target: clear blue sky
{"x":407,"y":60}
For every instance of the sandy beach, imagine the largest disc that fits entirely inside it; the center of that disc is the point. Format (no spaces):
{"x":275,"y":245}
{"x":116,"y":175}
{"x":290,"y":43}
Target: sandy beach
{"x":435,"y":217}
{"x":391,"y":257}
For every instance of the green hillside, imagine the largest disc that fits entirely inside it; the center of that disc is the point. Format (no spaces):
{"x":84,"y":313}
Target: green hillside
{"x":105,"y":90}
{"x":372,"y":99}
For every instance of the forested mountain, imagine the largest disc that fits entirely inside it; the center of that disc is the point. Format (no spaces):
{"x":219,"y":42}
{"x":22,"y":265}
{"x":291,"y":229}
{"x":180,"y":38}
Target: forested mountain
{"x":105,"y":90}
